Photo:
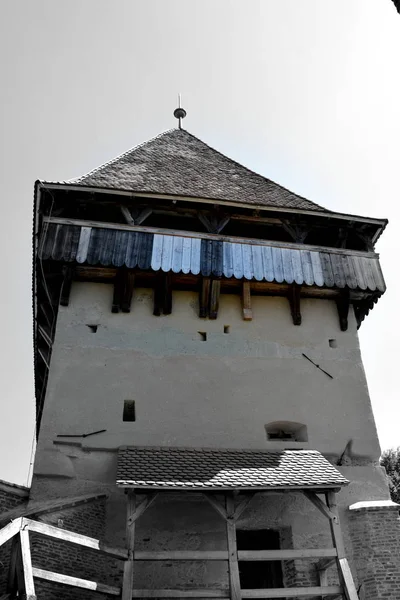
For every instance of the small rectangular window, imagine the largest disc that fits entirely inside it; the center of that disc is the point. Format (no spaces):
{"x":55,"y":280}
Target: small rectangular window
{"x":129,"y":413}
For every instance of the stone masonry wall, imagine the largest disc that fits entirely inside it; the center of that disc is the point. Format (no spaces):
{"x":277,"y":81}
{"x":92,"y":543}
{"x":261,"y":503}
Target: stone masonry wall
{"x":11,"y":496}
{"x":375,"y":528}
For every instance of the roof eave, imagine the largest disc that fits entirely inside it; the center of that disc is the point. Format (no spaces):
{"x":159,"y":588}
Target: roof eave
{"x":380,"y":223}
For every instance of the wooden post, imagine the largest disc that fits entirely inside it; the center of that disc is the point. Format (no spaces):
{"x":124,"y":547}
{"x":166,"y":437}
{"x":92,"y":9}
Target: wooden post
{"x":246,"y":301}
{"x":214,"y":298}
{"x":204,"y":297}
{"x":294,"y":301}
{"x":345,"y":575}
{"x":127,"y":582}
{"x":128,"y":280}
{"x":68,"y":273}
{"x":27,"y":566}
{"x":234,"y":579}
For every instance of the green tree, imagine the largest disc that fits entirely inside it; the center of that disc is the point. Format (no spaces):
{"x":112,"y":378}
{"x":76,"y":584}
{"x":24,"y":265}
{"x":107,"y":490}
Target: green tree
{"x":390,"y":459}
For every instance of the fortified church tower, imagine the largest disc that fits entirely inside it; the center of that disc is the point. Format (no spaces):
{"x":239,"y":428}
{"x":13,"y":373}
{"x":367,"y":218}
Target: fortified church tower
{"x":197,"y":361}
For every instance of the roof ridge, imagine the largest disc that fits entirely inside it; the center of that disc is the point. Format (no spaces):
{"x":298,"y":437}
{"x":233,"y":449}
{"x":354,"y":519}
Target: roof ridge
{"x":252,"y":171}
{"x":119,"y":156}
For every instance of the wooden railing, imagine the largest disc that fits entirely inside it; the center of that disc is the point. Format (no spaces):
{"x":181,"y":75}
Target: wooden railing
{"x":22,"y":574}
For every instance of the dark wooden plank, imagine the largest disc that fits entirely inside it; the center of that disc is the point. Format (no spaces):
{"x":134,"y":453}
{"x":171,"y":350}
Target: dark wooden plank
{"x":127,"y":581}
{"x":158,"y":298}
{"x":234,"y":579}
{"x":145,"y":251}
{"x":95,"y":245}
{"x":167,"y":293}
{"x":204,"y":297}
{"x":117,"y":294}
{"x":132,"y":251}
{"x":73,"y":243}
{"x":327,"y":269}
{"x":120,"y":247}
{"x":206,"y":257}
{"x":68,"y":275}
{"x":217,"y":258}
{"x":343,"y":306}
{"x":108,"y":241}
{"x":58,"y":248}
{"x":214,"y":298}
{"x":294,"y":301}
{"x":128,"y":281}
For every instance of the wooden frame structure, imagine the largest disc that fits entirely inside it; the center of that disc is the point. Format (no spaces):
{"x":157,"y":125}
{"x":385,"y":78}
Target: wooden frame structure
{"x":22,"y":573}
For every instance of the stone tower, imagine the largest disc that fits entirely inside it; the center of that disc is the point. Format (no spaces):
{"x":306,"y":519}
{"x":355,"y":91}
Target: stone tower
{"x":196,"y":353}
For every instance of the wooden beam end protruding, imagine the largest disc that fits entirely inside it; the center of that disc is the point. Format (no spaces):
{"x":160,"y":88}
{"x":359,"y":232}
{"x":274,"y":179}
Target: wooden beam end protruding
{"x":163,"y":295}
{"x":246,"y":302}
{"x":214,"y":298}
{"x":294,"y":301}
{"x":68,"y":275}
{"x":343,"y":306}
{"x":204,"y":297}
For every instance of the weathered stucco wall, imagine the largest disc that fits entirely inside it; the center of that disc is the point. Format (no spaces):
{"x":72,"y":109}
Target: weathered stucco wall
{"x":215,"y":393}
{"x":218,"y":392}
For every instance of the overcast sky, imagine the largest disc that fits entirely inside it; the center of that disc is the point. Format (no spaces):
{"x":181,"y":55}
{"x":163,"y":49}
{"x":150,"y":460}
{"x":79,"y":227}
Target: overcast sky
{"x":305,"y":92}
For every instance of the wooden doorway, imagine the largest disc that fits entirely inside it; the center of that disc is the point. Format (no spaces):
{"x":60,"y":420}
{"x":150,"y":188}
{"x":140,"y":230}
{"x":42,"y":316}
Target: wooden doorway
{"x":259,"y":574}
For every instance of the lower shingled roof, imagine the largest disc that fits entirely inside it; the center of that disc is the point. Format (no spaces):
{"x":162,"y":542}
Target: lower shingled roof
{"x":199,"y":468}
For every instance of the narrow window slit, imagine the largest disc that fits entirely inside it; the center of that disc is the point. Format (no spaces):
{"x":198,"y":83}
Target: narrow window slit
{"x":93,"y":328}
{"x":203,"y":336}
{"x":227,"y":328}
{"x":129,"y":413}
{"x":333,"y":343}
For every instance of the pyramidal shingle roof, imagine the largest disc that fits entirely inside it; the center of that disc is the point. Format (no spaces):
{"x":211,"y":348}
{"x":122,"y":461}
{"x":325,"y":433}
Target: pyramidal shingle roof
{"x":178,"y":163}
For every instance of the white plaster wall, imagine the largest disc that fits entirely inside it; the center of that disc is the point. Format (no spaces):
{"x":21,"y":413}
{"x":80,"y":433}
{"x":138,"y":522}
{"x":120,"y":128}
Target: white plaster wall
{"x":188,"y":392}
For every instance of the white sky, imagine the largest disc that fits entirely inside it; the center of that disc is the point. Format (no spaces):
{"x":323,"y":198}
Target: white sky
{"x":305,"y":92}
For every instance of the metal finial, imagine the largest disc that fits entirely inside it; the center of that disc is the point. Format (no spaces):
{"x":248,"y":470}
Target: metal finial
{"x":179,"y":113}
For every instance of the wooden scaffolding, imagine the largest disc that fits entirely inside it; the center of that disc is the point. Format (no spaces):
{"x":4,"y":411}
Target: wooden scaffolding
{"x":22,"y":573}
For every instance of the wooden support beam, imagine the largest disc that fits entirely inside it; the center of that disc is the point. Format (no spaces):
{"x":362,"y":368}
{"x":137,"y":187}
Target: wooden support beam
{"x":319,"y":504}
{"x":127,"y":215}
{"x":140,"y":214}
{"x":345,"y":575}
{"x":294,"y":301}
{"x":29,"y":586}
{"x":118,"y":286}
{"x":144,"y":505}
{"x":214,"y":298}
{"x":221,"y":510}
{"x":74,"y":538}
{"x":343,"y":305}
{"x":214,"y":222}
{"x":246,"y":301}
{"x":241,"y":507}
{"x":300,"y":553}
{"x":233,"y":564}
{"x":300,"y":592}
{"x":76,"y":582}
{"x":163,"y":294}
{"x":7,"y":532}
{"x":167,"y":294}
{"x":127,"y":581}
{"x":68,"y":275}
{"x":127,"y":283}
{"x":189,"y":593}
{"x":204,"y":297}
{"x":182,"y":555}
